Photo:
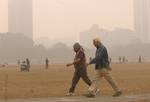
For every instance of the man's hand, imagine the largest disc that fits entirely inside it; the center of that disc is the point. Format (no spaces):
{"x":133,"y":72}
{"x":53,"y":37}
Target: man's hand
{"x":69,"y":64}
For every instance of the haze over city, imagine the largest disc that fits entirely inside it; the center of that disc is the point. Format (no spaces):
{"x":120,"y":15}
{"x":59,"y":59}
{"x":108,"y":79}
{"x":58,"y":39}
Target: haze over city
{"x":64,"y":19}
{"x":47,"y":46}
{"x":49,"y":28}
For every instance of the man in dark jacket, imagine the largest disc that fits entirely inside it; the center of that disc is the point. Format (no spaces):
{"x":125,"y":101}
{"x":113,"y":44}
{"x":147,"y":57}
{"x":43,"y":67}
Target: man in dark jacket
{"x":28,"y":64}
{"x":80,"y":68}
{"x":102,"y":68}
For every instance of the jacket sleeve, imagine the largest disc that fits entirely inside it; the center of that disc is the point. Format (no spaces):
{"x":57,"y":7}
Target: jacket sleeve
{"x":98,"y":56}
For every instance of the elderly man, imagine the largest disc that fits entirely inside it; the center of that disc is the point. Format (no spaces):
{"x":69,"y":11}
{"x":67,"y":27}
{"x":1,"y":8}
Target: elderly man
{"x":80,"y":68}
{"x":102,"y":68}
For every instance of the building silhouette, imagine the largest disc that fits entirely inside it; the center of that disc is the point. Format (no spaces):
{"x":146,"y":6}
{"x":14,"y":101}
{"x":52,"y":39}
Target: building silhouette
{"x":20,"y":19}
{"x":111,"y":38}
{"x":142,"y":19}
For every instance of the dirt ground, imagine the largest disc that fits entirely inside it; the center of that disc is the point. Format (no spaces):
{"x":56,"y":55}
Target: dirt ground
{"x":132,"y":78}
{"x":123,"y":98}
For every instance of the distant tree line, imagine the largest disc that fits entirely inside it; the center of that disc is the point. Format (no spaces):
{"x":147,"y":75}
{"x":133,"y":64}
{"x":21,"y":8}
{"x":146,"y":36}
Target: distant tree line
{"x":14,"y":47}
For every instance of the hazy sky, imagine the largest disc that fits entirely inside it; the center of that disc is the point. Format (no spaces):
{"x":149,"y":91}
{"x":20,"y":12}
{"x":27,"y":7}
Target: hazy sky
{"x":61,"y":19}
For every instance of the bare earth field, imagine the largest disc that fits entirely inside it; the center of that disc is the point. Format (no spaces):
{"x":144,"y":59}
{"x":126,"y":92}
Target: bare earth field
{"x":132,"y":78}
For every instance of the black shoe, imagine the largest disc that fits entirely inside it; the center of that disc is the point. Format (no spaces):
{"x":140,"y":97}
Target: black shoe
{"x":117,"y":94}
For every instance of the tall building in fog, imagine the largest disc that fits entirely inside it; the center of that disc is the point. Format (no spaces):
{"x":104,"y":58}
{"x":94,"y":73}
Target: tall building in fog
{"x":142,"y":19}
{"x":20,"y":19}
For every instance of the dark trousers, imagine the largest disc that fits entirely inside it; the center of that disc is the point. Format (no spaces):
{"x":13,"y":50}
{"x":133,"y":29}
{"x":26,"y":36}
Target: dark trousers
{"x":79,"y":73}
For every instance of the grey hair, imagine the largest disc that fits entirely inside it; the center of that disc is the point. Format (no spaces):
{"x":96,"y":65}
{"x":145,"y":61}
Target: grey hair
{"x":77,"y":46}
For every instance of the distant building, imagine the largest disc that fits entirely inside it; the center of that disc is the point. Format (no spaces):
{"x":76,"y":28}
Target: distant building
{"x":87,"y":36}
{"x":142,"y":19}
{"x":115,"y":37}
{"x":20,"y":19}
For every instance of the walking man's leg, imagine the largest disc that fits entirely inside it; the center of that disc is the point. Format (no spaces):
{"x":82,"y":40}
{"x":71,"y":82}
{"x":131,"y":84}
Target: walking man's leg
{"x":113,"y":84}
{"x":85,"y":77}
{"x":93,"y":88}
{"x":75,"y":80}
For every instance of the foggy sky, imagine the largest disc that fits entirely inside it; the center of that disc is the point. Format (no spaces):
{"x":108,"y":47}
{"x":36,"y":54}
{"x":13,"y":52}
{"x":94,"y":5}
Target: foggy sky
{"x":64,"y":19}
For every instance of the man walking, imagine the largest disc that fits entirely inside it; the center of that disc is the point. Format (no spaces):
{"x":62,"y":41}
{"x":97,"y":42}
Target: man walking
{"x":102,"y":68}
{"x":80,"y":68}
{"x":28,"y":64}
{"x":46,"y":63}
{"x":140,"y":59}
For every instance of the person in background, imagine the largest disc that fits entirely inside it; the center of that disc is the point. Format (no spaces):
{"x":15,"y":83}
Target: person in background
{"x":123,"y":59}
{"x":140,"y":59}
{"x":46,"y":63}
{"x":28,"y":64}
{"x":120,"y":60}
